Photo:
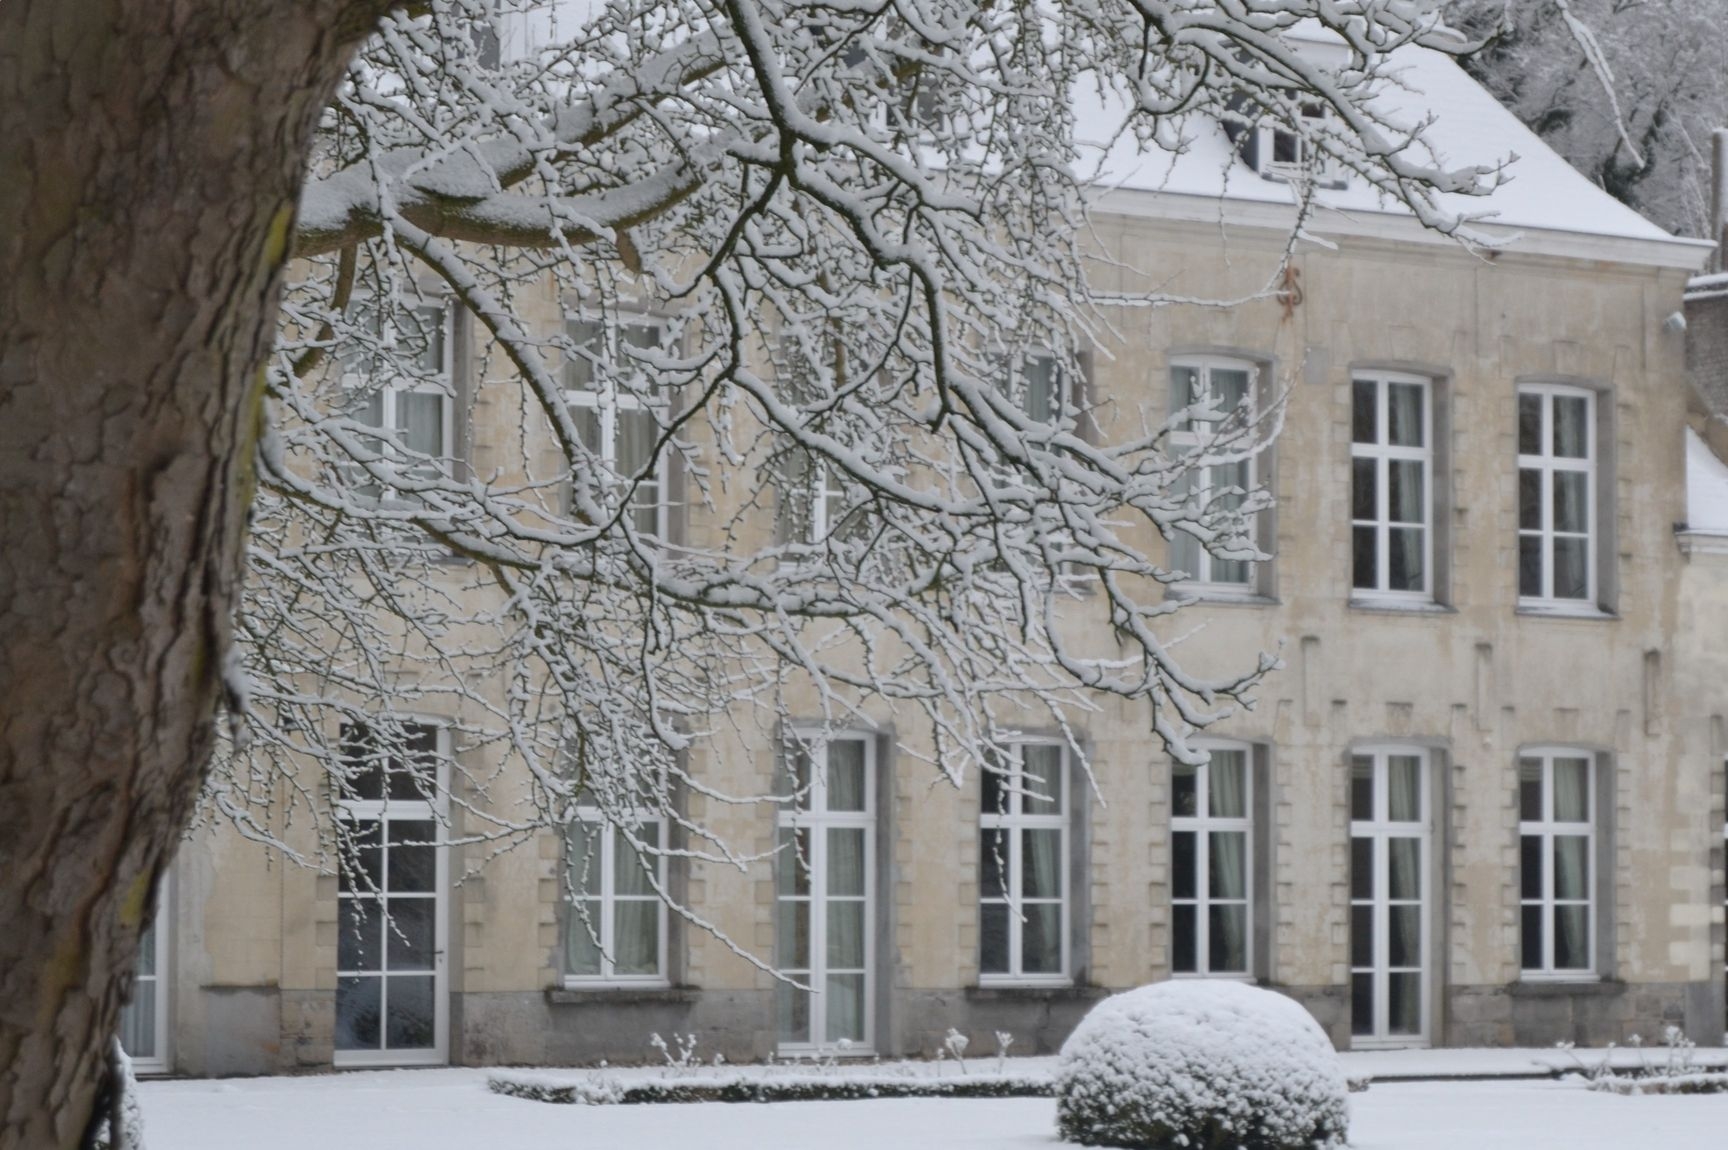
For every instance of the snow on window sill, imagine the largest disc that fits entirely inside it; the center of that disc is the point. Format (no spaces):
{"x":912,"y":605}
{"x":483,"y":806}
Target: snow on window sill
{"x":1562,"y":609}
{"x":1399,"y":605}
{"x":1546,"y":984}
{"x":1220,"y":594}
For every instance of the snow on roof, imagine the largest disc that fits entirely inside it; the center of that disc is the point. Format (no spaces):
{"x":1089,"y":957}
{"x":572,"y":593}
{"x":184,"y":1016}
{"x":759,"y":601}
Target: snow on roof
{"x":1706,"y":488}
{"x":1470,"y":128}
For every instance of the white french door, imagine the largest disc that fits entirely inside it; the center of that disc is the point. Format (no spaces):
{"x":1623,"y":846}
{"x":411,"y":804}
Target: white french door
{"x":825,"y":879}
{"x":144,"y":1019}
{"x":391,"y":993}
{"x":1389,"y":897}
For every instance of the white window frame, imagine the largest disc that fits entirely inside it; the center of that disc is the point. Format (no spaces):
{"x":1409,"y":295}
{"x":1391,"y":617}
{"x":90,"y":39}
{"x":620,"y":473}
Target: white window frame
{"x":1381,"y":827}
{"x":816,"y":818}
{"x":1311,"y":162}
{"x":1547,"y":828}
{"x":443,"y":389}
{"x":1016,"y":821}
{"x":385,"y":810}
{"x":604,"y":922}
{"x":163,"y":925}
{"x":1547,"y":464}
{"x":1203,"y":582}
{"x":1202,"y":825}
{"x":1383,"y":453}
{"x":606,"y":401}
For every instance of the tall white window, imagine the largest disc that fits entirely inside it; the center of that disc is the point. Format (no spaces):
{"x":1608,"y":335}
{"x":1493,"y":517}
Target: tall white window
{"x":391,"y":997}
{"x":1228,"y":384}
{"x":403,"y":384}
{"x":615,"y":927}
{"x":1391,"y":484}
{"x":1557,"y":455}
{"x":144,"y":1019}
{"x":1211,"y":864}
{"x":1556,"y":863}
{"x":1023,"y":877}
{"x":1390,"y":820}
{"x":825,"y":890}
{"x":618,"y":426}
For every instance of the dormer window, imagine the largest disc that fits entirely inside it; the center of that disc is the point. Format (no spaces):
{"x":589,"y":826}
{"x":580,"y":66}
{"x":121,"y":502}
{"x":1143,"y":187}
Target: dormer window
{"x":1283,"y":148}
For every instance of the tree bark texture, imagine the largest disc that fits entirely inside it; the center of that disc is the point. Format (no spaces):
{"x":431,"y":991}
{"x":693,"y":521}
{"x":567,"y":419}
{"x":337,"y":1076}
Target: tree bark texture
{"x":151,"y":152}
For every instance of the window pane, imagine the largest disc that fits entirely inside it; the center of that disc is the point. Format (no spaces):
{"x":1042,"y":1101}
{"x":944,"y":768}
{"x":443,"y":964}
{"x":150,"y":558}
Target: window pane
{"x":1229,"y":388}
{"x":1404,"y":788}
{"x":1529,"y":499}
{"x":1184,"y":941}
{"x":581,"y":947}
{"x":1041,"y":864}
{"x":795,"y":779}
{"x":1530,"y":937}
{"x":1571,"y":568}
{"x":1571,"y":867}
{"x":413,"y":857}
{"x":1530,"y":790}
{"x":993,"y":938}
{"x":1185,"y":555}
{"x":636,"y":937}
{"x":1363,"y":490}
{"x":1571,"y":947}
{"x":994,"y":800}
{"x":637,"y":432}
{"x":1404,"y":868}
{"x":587,"y":421}
{"x":1362,"y":788}
{"x":1041,"y":939}
{"x":1571,"y":431}
{"x":1362,"y":935}
{"x":1530,"y":566}
{"x":1228,"y":777}
{"x":1228,"y":876}
{"x":408,"y":936}
{"x":1362,"y":1004}
{"x":1404,"y":935}
{"x":846,"y":861}
{"x":792,"y":1008}
{"x":1405,"y":562}
{"x":360,"y":934}
{"x":846,"y":775}
{"x":993,"y":864}
{"x":358,"y":1003}
{"x":1572,"y":502}
{"x":1227,"y":941}
{"x":1404,"y":491}
{"x":362,"y":861}
{"x":1043,"y":779}
{"x":1571,"y":790}
{"x":1182,"y":864}
{"x":1361,"y":867}
{"x":628,"y":875}
{"x":1364,"y":425}
{"x":589,"y":340}
{"x":1404,"y":1003}
{"x":792,"y":941}
{"x":1043,"y":400}
{"x":846,"y":934}
{"x":1364,"y":558}
{"x":1404,"y":414}
{"x":845,"y":1008}
{"x":1530,"y":866}
{"x":1184,"y":797}
{"x":792,"y":862}
{"x":1529,"y":424}
{"x":1230,"y":571}
{"x":1184,"y":392}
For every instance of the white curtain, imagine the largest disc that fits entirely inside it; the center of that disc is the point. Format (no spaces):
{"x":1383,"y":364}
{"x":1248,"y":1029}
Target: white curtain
{"x":1227,"y":784}
{"x":1404,"y":788}
{"x":1571,"y":790}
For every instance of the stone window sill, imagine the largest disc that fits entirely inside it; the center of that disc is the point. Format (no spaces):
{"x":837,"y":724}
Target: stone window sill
{"x":1567,"y":988}
{"x":1008,"y":992}
{"x":621,"y":995}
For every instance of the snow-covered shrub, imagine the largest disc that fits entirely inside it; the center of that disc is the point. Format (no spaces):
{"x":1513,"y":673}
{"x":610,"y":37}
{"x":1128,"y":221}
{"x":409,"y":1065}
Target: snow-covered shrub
{"x":1201,"y":1065}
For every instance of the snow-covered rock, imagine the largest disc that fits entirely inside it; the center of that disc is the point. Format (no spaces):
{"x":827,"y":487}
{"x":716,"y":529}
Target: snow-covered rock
{"x":1201,"y":1065}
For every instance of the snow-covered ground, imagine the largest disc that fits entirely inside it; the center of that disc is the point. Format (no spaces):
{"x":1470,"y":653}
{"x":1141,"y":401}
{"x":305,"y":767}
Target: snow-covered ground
{"x":452,"y":1110}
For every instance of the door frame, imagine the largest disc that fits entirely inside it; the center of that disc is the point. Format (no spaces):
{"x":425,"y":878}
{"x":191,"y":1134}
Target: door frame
{"x":385,"y":811}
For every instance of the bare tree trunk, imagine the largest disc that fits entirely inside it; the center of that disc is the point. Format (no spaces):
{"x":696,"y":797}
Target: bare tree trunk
{"x":150,"y":156}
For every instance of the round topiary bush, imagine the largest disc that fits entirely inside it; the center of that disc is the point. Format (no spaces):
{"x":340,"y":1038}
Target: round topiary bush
{"x":1201,"y":1065}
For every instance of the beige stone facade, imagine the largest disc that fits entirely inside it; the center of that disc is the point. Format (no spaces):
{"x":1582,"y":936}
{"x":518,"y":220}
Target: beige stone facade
{"x":1466,"y":679}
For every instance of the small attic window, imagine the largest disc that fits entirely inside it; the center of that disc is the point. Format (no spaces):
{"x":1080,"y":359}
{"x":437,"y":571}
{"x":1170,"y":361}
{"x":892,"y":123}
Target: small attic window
{"x":1277,"y":152}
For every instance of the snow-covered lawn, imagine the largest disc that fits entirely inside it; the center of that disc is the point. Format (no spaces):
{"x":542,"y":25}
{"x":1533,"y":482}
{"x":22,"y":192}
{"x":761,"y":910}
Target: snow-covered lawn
{"x":452,"y":1110}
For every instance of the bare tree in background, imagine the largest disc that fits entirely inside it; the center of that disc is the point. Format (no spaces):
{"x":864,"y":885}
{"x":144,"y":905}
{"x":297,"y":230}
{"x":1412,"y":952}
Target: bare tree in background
{"x":863,"y":224}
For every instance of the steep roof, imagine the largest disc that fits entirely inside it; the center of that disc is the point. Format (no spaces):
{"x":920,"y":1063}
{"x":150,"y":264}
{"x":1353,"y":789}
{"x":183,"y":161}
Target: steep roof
{"x":1542,"y":192}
